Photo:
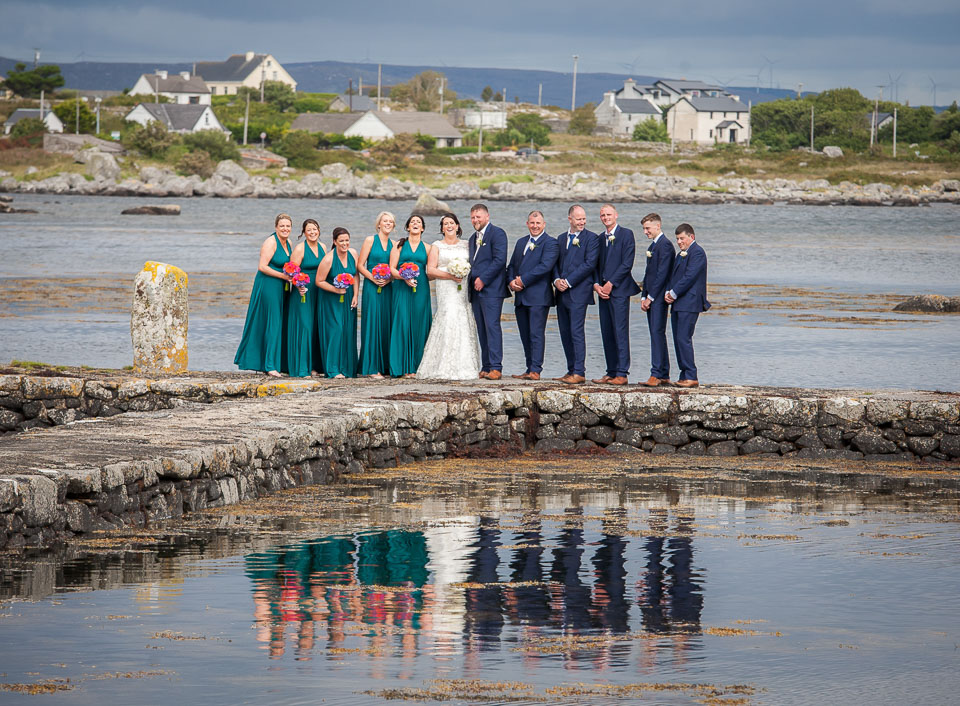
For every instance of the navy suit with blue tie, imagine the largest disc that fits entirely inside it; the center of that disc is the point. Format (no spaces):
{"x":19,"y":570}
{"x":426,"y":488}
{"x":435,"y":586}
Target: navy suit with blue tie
{"x":576,"y":265}
{"x":656,"y":282}
{"x":533,"y":262}
{"x":488,"y":262}
{"x":615,"y":265}
{"x":688,"y":283}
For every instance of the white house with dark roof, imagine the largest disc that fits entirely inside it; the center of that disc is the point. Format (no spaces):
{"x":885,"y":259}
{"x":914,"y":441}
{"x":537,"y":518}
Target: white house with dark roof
{"x":620,"y":115}
{"x":328,"y":123}
{"x":50,"y":119}
{"x":250,"y":70}
{"x":351,"y":104}
{"x":708,"y":120}
{"x":182,"y":88}
{"x":376,"y":125}
{"x":177,"y":118}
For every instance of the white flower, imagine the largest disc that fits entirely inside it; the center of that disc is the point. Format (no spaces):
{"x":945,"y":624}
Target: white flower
{"x":649,"y":253}
{"x":683,"y":253}
{"x":576,"y":241}
{"x":611,"y":238}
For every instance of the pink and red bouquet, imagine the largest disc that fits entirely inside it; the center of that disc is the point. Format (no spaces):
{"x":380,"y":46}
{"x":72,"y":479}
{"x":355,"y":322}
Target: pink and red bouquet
{"x":344,"y":280}
{"x":381,"y":271}
{"x":410,"y":271}
{"x":290,"y":269}
{"x":301,"y":280}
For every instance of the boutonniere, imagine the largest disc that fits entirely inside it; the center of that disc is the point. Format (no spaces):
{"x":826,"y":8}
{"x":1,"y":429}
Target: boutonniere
{"x":611,"y":238}
{"x":480,"y":240}
{"x":575,"y":241}
{"x":683,"y":253}
{"x":649,"y":253}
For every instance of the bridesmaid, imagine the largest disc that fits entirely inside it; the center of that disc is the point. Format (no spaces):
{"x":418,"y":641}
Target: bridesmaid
{"x":338,"y":319}
{"x":412,"y":314}
{"x":262,"y":346}
{"x":303,"y":330}
{"x":377,"y":309}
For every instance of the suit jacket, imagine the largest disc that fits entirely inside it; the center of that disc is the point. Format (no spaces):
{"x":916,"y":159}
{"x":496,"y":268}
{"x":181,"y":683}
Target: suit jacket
{"x":489,"y":263}
{"x":689,"y":280}
{"x":656,"y":276}
{"x":535,"y":269}
{"x":616,"y":262}
{"x":577,"y":264}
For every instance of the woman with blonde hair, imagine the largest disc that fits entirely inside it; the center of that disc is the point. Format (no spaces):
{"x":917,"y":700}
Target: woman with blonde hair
{"x":377,"y":298}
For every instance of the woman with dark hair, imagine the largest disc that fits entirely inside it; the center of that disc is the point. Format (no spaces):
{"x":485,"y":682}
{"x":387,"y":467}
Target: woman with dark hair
{"x":411,"y":301}
{"x":303,"y":330}
{"x":338,"y":308}
{"x":377,"y":299}
{"x":452,"y":351}
{"x":262,"y":345}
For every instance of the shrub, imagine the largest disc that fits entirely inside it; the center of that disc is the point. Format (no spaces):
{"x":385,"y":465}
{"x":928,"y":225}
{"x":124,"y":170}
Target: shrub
{"x":28,"y":127}
{"x":651,"y":130}
{"x":395,"y":152}
{"x":217,"y":145}
{"x":531,"y":127}
{"x":67,"y":112}
{"x":197,"y":162}
{"x":151,"y":140}
{"x":299,"y":147}
{"x":583,"y":121}
{"x":426,"y":141}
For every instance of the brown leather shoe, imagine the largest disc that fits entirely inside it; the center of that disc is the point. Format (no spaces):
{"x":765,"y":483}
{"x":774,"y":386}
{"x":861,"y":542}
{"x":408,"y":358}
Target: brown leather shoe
{"x":572,"y":379}
{"x":494,"y":375}
{"x":687,"y":383}
{"x":520,"y":376}
{"x":652,"y":382}
{"x":532,"y":376}
{"x":483,"y":374}
{"x":619,"y":380}
{"x":666,"y":381}
{"x":602,"y":381}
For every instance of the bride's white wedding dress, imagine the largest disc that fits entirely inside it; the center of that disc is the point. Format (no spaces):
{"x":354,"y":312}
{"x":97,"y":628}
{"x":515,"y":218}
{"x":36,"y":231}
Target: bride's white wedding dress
{"x":452,"y":351}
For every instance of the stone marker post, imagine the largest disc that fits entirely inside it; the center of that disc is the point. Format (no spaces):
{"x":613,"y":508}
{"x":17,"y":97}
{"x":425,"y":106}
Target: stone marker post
{"x":158,"y":319}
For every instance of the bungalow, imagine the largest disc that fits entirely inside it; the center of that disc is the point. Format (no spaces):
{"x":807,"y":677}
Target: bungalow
{"x":328,"y":123}
{"x":708,"y":120}
{"x":50,"y":119}
{"x":351,"y":104}
{"x":494,"y":119}
{"x":250,"y":69}
{"x":182,"y":88}
{"x":619,"y":116}
{"x":177,"y":118}
{"x":375,"y":125}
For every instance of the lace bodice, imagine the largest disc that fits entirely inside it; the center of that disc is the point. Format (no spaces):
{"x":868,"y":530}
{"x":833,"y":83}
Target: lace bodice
{"x":447,"y":253}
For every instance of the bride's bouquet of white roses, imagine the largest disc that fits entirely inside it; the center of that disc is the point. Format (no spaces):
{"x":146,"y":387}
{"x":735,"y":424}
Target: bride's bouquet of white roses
{"x":458,"y":267}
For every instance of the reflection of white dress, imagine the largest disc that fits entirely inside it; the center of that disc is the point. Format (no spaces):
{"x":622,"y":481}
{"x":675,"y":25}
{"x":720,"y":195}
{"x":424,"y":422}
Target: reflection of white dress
{"x":452,"y":351}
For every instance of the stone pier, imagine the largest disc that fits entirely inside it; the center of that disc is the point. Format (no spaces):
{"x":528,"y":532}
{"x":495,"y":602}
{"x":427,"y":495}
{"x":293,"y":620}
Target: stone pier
{"x":81,"y":455}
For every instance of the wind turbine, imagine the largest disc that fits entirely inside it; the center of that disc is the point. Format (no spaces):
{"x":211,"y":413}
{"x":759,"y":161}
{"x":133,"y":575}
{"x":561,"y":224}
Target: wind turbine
{"x":632,"y":66}
{"x":934,"y":84}
{"x":894,"y":86}
{"x":770,"y":64}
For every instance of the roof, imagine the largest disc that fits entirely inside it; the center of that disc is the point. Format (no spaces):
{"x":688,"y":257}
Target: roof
{"x":24,"y":113}
{"x":236,"y":68}
{"x":720,"y":103}
{"x":358,"y":103}
{"x":637,"y":105}
{"x":177,"y":84}
{"x":432,"y":124}
{"x":681,"y":85}
{"x":329,"y":123}
{"x":174,"y":116}
{"x":728,"y":123}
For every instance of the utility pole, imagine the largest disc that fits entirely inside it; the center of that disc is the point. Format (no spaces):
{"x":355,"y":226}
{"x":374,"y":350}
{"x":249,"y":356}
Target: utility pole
{"x":873,"y":124}
{"x":540,"y":97}
{"x":98,"y":99}
{"x":573,"y":97}
{"x":441,"y":95}
{"x":360,"y":83}
{"x":503,"y":97}
{"x":246,"y":120}
{"x":894,"y":133}
{"x":811,"y":128}
{"x":749,"y":121}
{"x":674,"y":131}
{"x":36,"y":58}
{"x":76,"y":100}
{"x":263,"y":80}
{"x":379,"y":86}
{"x":480,"y":141}
{"x":41,"y":105}
{"x":350,"y":94}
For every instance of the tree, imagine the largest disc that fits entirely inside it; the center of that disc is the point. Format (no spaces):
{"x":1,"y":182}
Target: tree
{"x":913,"y":124}
{"x":423,"y":91}
{"x":152,"y":139}
{"x":28,"y":84}
{"x":276,"y":93}
{"x":198,"y":162}
{"x":583,"y":121}
{"x":214,"y":143}
{"x":300,"y":149}
{"x":396,"y":152}
{"x":531,"y":126}
{"x":497,"y":97}
{"x":28,"y":127}
{"x":67,"y":112}
{"x":946,"y":123}
{"x":651,"y":130}
{"x":486,"y":94}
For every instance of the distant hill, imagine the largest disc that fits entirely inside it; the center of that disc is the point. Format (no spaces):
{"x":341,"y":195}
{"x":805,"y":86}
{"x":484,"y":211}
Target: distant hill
{"x":333,"y":77}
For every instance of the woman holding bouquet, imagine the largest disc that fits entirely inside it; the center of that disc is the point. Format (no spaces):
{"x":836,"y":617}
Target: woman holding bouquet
{"x":303,"y":337}
{"x":336,"y":276}
{"x":411,"y":300}
{"x":262,"y":345}
{"x":452,"y":351}
{"x":374,"y":266}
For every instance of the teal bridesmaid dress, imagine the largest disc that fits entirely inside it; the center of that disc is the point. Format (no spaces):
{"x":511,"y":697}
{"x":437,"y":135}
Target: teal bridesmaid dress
{"x":303,"y":340}
{"x":262,"y":345}
{"x":412,"y":315}
{"x":377,"y":308}
{"x":339,"y":323}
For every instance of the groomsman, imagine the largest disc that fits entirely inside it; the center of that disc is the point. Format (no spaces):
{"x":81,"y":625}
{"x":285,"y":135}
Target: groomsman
{"x":573,"y":280}
{"x":656,"y":281}
{"x":615,"y":285}
{"x":528,"y":275}
{"x":488,"y":288}
{"x":687,"y":297}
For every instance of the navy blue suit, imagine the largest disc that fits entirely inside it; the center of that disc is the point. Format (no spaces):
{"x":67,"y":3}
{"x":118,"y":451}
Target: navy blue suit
{"x":489,"y":263}
{"x":656,"y":282}
{"x":688,"y":281}
{"x":533,"y":302}
{"x":615,"y":265}
{"x":577,"y":265}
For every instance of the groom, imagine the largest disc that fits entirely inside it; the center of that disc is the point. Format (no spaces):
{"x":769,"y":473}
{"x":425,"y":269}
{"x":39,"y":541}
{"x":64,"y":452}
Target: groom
{"x":488,"y":288}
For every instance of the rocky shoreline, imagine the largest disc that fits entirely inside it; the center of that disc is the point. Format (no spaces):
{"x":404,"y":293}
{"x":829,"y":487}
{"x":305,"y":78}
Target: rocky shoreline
{"x":337,"y":181}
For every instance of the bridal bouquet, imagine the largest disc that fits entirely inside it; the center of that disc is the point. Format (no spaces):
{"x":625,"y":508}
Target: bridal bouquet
{"x":291,"y":269}
{"x":344,"y":280}
{"x":459,"y":267}
{"x":381,"y":271}
{"x":410,"y":271}
{"x":301,"y":280}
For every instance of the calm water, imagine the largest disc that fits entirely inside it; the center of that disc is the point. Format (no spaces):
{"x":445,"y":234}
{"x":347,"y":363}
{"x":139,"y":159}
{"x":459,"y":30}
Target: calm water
{"x":830,"y":590}
{"x":821,"y":318}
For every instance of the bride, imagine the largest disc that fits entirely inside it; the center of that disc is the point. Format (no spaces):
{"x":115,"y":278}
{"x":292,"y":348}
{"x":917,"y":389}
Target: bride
{"x":452,"y":351}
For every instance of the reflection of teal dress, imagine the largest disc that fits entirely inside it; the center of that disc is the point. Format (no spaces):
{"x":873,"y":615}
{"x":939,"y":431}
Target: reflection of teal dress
{"x":338,"y":322}
{"x":375,"y":319}
{"x":392,"y":558}
{"x":412,"y":315}
{"x":303,"y":341}
{"x":262,"y":344}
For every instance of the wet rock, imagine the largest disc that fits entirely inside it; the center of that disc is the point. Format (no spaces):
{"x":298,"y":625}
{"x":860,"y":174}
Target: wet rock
{"x":429,"y":205}
{"x":811,"y":453}
{"x":545,"y":445}
{"x":870,"y":442}
{"x":695,"y":448}
{"x":759,"y":445}
{"x":675,"y":436}
{"x":930,"y":303}
{"x":922,"y":445}
{"x":618,"y":448}
{"x":158,"y":319}
{"x":155,"y":210}
{"x":660,"y":449}
{"x":950,"y":445}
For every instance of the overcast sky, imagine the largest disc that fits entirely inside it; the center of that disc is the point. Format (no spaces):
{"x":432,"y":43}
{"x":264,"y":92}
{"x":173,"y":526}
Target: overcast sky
{"x":819,"y":43}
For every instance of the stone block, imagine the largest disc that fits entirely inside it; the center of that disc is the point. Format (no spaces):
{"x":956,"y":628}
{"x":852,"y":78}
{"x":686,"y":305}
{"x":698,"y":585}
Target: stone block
{"x":78,"y":517}
{"x":573,"y":432}
{"x":82,"y":481}
{"x":618,"y":448}
{"x":546,"y":432}
{"x":64,"y":416}
{"x":694,"y":448}
{"x":810,"y":439}
{"x":555,"y":401}
{"x":785,"y":410}
{"x":849,"y":409}
{"x":39,"y":500}
{"x":10,"y":384}
{"x":950,"y":445}
{"x":759,"y":445}
{"x":633,"y":437}
{"x":922,"y":445}
{"x":871,"y":442}
{"x":37,"y":388}
{"x":832,"y":437}
{"x":130,"y":389}
{"x":947,"y":412}
{"x":886,"y":411}
{"x":727,"y":422}
{"x":9,"y":494}
{"x":546,"y":445}
{"x":674,"y":436}
{"x":707,"y":435}
{"x":179,"y":388}
{"x":111,"y":476}
{"x":647,"y":407}
{"x":549,"y":419}
{"x":603,"y":404}
{"x":9,"y":419}
{"x":723,"y":448}
{"x":714,"y":404}
{"x":600,"y":434}
{"x":912,"y":427}
{"x":158,"y":319}
{"x":177,"y":468}
{"x":660,"y":449}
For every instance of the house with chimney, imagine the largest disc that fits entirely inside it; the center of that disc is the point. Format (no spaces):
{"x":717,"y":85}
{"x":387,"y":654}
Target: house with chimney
{"x":377,"y":125}
{"x":183,"y":88}
{"x":250,"y":69}
{"x":179,"y":118}
{"x":709,"y":120}
{"x":620,"y":114}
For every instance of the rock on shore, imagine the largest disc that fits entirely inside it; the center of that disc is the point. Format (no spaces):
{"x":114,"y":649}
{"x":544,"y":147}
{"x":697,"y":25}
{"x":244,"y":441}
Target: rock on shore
{"x":930,"y":303}
{"x":156,"y":210}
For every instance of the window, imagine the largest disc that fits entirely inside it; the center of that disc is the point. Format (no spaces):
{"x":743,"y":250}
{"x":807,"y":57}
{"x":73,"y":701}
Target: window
{"x":206,"y":118}
{"x":711,"y":133}
{"x":711,"y":115}
{"x":268,"y":63}
{"x":213,"y":90}
{"x":274,"y":75}
{"x":194,"y":100}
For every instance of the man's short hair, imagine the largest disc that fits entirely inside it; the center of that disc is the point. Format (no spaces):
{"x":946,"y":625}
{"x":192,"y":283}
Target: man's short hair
{"x":651,"y":217}
{"x":685,"y":228}
{"x":609,"y":205}
{"x":480,"y":207}
{"x":538,"y":213}
{"x":574,"y":208}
